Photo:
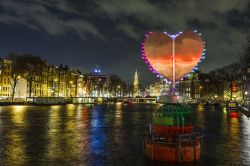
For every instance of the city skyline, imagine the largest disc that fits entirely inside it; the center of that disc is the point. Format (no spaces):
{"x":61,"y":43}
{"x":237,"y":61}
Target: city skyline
{"x":83,"y":34}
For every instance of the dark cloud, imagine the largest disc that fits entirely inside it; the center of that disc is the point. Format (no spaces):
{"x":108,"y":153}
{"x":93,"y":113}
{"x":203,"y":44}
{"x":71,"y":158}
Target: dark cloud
{"x":38,"y":16}
{"x":111,"y":30}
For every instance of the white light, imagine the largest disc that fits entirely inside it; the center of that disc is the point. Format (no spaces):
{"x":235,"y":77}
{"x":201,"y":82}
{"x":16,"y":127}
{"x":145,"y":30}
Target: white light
{"x":173,"y":36}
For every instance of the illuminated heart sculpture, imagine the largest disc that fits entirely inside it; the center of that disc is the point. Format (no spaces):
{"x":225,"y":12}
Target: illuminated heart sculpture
{"x":165,"y":53}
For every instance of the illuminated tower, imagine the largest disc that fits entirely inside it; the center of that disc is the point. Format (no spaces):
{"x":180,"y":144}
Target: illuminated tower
{"x":136,"y":84}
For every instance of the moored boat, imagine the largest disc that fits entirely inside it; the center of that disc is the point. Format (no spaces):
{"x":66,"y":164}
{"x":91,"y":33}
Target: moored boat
{"x":232,"y":105}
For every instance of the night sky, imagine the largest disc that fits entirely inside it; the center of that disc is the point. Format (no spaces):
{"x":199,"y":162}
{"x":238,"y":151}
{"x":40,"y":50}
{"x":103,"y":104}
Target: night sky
{"x":84,"y":34}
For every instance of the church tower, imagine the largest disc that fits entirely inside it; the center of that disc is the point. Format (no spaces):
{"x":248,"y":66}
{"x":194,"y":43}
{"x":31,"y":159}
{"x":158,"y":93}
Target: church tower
{"x":136,"y":84}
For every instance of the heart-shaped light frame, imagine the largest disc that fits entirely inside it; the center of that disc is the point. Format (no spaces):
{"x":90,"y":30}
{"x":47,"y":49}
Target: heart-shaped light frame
{"x":144,"y":57}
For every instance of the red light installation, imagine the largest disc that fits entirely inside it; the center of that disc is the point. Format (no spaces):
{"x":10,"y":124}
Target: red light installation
{"x":233,"y":114}
{"x":172,"y":56}
{"x":234,"y":87}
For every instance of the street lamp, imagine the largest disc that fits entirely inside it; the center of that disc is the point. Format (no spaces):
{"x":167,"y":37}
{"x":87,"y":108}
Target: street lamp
{"x":119,"y":91}
{"x":245,"y":97}
{"x":207,"y":87}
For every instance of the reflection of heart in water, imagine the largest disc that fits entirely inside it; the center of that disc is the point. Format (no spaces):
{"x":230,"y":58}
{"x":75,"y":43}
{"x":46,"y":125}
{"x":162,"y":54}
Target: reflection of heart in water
{"x":158,"y":49}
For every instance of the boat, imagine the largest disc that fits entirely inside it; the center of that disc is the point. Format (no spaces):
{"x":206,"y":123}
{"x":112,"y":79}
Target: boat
{"x":232,"y":105}
{"x":127,"y":102}
{"x":172,"y":136}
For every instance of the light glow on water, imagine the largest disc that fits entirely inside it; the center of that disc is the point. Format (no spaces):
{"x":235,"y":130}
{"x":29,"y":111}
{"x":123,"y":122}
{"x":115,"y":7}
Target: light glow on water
{"x":100,"y":135}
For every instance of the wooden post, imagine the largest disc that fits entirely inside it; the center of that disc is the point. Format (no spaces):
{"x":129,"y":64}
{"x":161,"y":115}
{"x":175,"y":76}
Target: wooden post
{"x":194,"y":150}
{"x":179,"y":149}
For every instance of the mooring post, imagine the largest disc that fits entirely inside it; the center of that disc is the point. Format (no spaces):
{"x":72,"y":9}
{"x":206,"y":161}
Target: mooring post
{"x":194,"y":149}
{"x":143,"y":146}
{"x":152,"y":154}
{"x":179,"y":149}
{"x":201,"y":144}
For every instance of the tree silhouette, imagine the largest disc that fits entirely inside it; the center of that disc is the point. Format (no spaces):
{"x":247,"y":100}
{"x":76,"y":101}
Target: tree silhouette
{"x":27,"y":66}
{"x":245,"y":58}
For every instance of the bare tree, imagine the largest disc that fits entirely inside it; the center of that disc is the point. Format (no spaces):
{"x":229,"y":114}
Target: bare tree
{"x":230,"y":74}
{"x":27,"y":66}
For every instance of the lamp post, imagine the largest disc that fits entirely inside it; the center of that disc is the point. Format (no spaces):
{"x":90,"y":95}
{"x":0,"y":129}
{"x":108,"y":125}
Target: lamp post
{"x":55,"y":87}
{"x":16,"y":78}
{"x":246,"y":95}
{"x":207,"y":83}
{"x":119,"y":91}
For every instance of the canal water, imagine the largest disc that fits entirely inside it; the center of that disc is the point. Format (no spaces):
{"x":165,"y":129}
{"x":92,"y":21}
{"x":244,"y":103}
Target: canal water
{"x":109,"y":135}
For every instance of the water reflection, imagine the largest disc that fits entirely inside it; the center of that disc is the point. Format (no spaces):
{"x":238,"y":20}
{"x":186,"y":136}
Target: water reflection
{"x":245,"y":141}
{"x":12,"y":146}
{"x":64,"y":137}
{"x":109,"y":135}
{"x":18,"y":115}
